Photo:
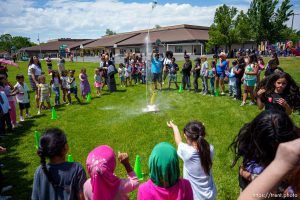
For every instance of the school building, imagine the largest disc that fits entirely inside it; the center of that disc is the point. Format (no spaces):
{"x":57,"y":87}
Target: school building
{"x":179,"y":39}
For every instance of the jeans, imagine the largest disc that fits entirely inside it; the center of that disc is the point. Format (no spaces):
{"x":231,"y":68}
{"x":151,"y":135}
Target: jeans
{"x":57,"y":95}
{"x":143,"y":79}
{"x":186,"y":81}
{"x":238,"y":88}
{"x":205,"y":84}
{"x":232,"y":90}
{"x":212,"y":85}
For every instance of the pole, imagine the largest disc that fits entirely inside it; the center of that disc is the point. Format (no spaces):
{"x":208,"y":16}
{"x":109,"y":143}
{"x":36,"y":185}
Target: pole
{"x":39,"y":44}
{"x":293,"y":20}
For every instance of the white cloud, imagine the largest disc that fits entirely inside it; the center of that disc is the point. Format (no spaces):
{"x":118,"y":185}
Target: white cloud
{"x":79,"y":19}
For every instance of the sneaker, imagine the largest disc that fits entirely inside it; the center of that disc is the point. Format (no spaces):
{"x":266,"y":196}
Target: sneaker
{"x":6,"y":188}
{"x":28,"y":115}
{"x":223,"y":94}
{"x":243,"y":103}
{"x":251,"y":103}
{"x":22,"y":119}
{"x":39,"y":112}
{"x":212,"y":95}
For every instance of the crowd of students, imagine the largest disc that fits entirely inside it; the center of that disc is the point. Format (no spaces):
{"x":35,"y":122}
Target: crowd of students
{"x":257,"y":142}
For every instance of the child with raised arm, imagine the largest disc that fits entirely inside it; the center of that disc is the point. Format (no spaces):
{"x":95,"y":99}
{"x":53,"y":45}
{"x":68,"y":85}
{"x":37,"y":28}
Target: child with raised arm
{"x":104,"y":184}
{"x":197,"y":155}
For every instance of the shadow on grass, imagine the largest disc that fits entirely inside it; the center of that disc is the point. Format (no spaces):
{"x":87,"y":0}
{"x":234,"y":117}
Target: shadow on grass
{"x":14,"y":169}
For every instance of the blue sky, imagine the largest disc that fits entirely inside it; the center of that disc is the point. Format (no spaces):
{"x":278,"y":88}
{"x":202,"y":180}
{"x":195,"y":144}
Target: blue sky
{"x":51,"y":19}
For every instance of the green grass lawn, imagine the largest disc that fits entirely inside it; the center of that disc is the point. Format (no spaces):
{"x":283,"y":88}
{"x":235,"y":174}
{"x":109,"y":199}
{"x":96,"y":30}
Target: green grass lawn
{"x":117,"y":120}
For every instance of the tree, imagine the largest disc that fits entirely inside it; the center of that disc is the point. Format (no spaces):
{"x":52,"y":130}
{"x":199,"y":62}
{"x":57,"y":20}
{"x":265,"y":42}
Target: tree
{"x":157,"y":26}
{"x":223,"y":31}
{"x":7,"y":42}
{"x":110,"y":32}
{"x":20,"y":42}
{"x":242,"y":28}
{"x":266,"y":23}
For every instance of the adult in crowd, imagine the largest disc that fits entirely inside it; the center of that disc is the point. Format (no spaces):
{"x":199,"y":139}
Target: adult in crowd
{"x":61,"y":64}
{"x":34,"y":71}
{"x":222,"y":65}
{"x":156,"y":68}
{"x":166,"y":62}
{"x":111,"y":81}
{"x":164,"y":182}
{"x":49,"y":64}
{"x":3,"y":70}
{"x":196,"y":73}
{"x":186,"y":72}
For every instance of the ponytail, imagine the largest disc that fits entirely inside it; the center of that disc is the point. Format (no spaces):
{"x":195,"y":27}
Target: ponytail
{"x":44,"y":167}
{"x":51,"y":144}
{"x":195,"y":131}
{"x":204,"y":154}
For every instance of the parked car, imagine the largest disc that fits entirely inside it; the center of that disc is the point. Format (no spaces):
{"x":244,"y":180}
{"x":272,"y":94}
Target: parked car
{"x":24,"y":58}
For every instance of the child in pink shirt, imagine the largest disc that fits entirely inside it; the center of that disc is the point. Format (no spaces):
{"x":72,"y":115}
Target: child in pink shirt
{"x":104,"y":184}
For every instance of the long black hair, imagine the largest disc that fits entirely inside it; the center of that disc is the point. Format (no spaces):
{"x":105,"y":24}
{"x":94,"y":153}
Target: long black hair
{"x":291,"y":91}
{"x":195,"y":131}
{"x":51,"y":144}
{"x":258,"y":140}
{"x":31,"y":61}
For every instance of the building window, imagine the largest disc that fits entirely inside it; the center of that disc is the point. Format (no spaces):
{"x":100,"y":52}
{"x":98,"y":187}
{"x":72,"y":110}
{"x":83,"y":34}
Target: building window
{"x":137,"y":50}
{"x":178,"y":49}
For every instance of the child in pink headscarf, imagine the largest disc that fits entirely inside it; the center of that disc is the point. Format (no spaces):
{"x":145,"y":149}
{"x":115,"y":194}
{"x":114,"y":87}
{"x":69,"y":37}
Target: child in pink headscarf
{"x":104,"y":184}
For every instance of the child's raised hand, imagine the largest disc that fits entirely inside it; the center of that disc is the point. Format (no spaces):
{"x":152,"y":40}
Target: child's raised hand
{"x":170,"y":124}
{"x":123,"y":157}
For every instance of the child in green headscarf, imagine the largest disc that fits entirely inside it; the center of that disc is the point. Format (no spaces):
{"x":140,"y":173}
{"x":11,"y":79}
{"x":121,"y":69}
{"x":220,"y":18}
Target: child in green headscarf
{"x":164,"y":182}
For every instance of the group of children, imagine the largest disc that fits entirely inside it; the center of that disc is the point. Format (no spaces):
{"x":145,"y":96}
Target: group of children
{"x":257,"y":143}
{"x":19,"y":93}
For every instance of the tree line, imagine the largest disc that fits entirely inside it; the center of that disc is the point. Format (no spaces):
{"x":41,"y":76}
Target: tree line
{"x":13,"y":43}
{"x":264,"y":21}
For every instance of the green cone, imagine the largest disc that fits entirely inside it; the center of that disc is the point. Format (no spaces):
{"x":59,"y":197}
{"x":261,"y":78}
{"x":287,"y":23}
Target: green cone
{"x":54,"y":115}
{"x":180,"y":88}
{"x":88,"y":99}
{"x":138,"y":168}
{"x":70,"y":158}
{"x":37,"y":139}
{"x":217,"y":93}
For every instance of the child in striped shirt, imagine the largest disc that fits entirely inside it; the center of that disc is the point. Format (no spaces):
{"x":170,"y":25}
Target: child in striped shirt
{"x":44,"y":93}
